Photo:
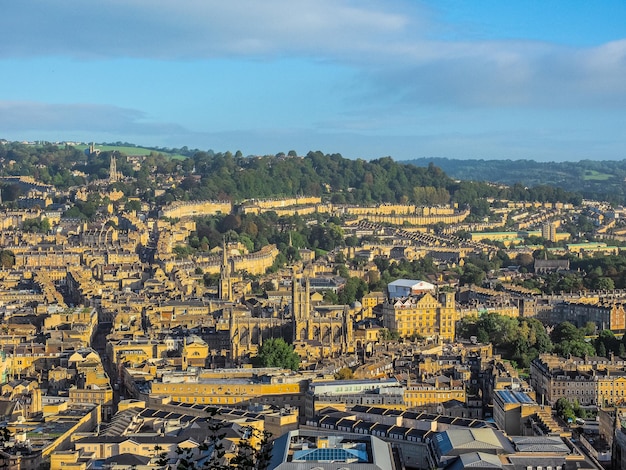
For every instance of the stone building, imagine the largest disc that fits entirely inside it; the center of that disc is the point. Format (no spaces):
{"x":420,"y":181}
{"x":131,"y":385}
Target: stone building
{"x":590,"y":381}
{"x":422,"y":314}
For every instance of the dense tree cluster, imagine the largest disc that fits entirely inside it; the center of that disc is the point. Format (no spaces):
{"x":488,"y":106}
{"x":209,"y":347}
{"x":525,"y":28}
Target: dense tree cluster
{"x":68,"y":166}
{"x":36,"y":225}
{"x":226,"y":176}
{"x":518,"y":339}
{"x":354,"y":289}
{"x":234,"y":177}
{"x":7,"y":258}
{"x":276,"y":352}
{"x":289,"y":233}
{"x":523,"y":339}
{"x":569,"y":411}
{"x":605,"y":272}
{"x":48,"y":164}
{"x":606,"y":343}
{"x":569,"y":340}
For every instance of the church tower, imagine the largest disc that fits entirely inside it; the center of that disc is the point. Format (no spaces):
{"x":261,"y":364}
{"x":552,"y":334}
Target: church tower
{"x":347,"y":331}
{"x":226,"y":282}
{"x":113,"y":175}
{"x":235,"y":337}
{"x":300,"y":307}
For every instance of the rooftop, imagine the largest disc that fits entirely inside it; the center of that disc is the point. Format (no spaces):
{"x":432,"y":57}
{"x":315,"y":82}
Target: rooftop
{"x":510,"y":396}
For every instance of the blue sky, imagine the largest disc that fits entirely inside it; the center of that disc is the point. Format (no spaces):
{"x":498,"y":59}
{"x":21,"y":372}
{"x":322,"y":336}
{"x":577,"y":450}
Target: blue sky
{"x":367,"y":79}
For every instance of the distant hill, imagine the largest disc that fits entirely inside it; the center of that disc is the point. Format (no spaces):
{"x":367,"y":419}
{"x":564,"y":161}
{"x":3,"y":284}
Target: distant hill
{"x":207,"y":175}
{"x":594,"y":179}
{"x":134,"y":150}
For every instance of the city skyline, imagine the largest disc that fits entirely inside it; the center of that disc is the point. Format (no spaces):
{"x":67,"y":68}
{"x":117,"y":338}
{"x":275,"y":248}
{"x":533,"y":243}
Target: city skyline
{"x":407,"y":79}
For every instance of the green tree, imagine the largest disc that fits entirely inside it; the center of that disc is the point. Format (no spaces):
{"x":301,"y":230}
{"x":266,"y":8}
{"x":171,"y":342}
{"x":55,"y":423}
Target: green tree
{"x":524,"y":259}
{"x":355,"y":288}
{"x":566,"y":331}
{"x":345,"y":373}
{"x":569,"y":340}
{"x":604,"y":283}
{"x":211,"y":279}
{"x":36,"y":225}
{"x":7,"y":258}
{"x":517,"y":339}
{"x":472,"y":274}
{"x":388,"y":335}
{"x":276,"y":352}
{"x":182,"y":251}
{"x":331,"y":297}
{"x":607,"y":342}
{"x":133,"y":205}
{"x":564,"y":409}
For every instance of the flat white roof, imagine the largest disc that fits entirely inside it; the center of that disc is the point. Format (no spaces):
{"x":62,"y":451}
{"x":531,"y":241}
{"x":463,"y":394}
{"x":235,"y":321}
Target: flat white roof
{"x":411,"y":284}
{"x":404,"y":283}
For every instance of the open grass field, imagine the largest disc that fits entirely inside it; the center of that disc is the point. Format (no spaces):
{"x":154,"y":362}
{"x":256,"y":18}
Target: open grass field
{"x":593,"y":175}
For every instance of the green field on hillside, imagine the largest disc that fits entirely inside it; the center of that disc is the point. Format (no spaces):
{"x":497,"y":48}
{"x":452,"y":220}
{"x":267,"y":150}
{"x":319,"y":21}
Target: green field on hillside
{"x":593,"y":175}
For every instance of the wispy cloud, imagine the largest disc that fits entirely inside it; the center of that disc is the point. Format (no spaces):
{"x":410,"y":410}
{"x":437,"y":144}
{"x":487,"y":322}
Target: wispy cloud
{"x":35,"y":121}
{"x":391,"y":47}
{"x":20,"y":117}
{"x":171,"y":29}
{"x":505,"y":74}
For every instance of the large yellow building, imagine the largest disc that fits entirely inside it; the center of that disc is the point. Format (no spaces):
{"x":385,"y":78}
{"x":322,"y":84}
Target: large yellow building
{"x":137,"y":351}
{"x":590,"y":381}
{"x":371,"y":300}
{"x":283,"y":207}
{"x":421,"y":220}
{"x":423,"y":315}
{"x":195,"y":208}
{"x":241,"y":392}
{"x":98,"y":395}
{"x":430,"y":396}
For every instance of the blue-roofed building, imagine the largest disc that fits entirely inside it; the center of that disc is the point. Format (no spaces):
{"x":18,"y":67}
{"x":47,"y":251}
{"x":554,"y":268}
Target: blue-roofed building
{"x":313,"y":449}
{"x":356,"y":453}
{"x":511,"y":410}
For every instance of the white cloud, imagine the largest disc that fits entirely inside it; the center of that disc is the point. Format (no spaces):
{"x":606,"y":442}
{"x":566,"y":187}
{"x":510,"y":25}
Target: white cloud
{"x":88,"y":122}
{"x":385,"y":41}
{"x":505,"y":74}
{"x":20,"y":116}
{"x":174,"y":29}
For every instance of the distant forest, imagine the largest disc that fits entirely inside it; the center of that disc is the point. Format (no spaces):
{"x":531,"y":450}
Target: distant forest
{"x":593,"y":179}
{"x":215,"y":175}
